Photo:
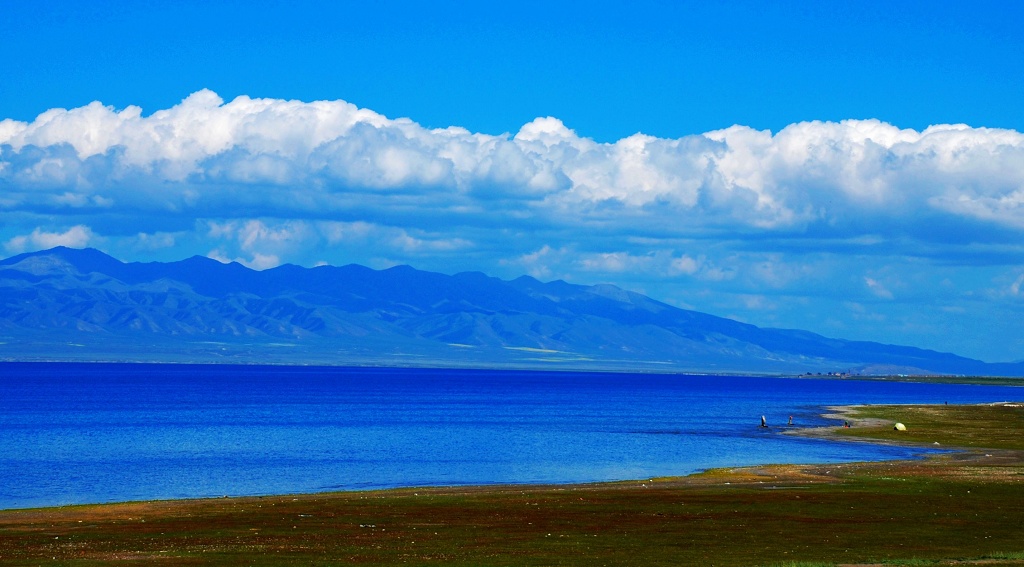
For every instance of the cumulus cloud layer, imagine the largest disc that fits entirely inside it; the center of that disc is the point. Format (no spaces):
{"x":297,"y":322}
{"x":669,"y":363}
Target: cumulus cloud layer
{"x":856,"y":223}
{"x":319,"y":160}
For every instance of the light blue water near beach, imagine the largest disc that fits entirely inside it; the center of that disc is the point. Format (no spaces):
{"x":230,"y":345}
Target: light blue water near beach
{"x":82,"y":433}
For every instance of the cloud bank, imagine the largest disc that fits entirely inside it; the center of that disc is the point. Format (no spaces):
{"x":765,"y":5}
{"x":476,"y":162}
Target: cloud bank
{"x":275,"y":158}
{"x":747,"y":212}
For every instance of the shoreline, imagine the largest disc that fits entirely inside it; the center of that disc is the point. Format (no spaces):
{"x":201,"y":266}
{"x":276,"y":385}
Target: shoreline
{"x":666,"y":368}
{"x":957,"y":508}
{"x":826,"y":432}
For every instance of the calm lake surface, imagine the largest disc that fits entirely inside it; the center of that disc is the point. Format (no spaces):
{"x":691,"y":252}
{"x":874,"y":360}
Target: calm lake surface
{"x":83,"y":433}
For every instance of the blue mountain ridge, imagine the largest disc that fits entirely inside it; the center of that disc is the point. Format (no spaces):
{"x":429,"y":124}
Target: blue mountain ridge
{"x":81,"y":304}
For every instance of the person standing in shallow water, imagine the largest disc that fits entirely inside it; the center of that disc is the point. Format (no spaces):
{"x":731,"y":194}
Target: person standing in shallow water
{"x":790,"y":420}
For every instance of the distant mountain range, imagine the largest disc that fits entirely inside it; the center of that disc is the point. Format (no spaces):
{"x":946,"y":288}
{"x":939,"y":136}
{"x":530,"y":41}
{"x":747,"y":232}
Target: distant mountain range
{"x":67,"y":304}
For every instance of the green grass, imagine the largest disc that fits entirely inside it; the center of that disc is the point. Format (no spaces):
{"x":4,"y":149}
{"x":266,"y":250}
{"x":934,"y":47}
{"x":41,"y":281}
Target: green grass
{"x":984,"y":380}
{"x":995,"y":426}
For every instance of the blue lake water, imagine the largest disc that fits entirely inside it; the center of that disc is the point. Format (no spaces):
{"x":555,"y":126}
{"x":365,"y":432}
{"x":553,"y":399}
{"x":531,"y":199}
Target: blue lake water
{"x":82,"y":433}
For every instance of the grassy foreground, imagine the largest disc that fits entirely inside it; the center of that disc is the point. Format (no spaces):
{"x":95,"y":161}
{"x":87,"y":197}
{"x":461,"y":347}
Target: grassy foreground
{"x":956,"y":509}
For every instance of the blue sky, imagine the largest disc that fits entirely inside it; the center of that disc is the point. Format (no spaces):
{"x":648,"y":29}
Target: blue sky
{"x":854,"y":169}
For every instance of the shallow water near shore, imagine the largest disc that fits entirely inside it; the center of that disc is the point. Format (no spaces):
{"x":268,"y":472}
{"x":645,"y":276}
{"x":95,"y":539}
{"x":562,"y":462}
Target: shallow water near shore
{"x":85,"y":433}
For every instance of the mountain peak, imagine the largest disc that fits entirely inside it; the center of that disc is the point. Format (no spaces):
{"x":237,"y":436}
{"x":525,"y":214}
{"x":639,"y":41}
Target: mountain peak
{"x":63,"y":260}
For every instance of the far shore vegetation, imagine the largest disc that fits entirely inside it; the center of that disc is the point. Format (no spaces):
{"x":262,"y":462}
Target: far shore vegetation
{"x":931,"y":378}
{"x":963,"y":507}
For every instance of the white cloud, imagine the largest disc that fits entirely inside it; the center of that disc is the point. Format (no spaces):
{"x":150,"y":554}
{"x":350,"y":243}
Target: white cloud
{"x":363,"y":233}
{"x":205,"y":157}
{"x":219,"y":256}
{"x":154,"y":241}
{"x":412,"y":244}
{"x":338,"y":232}
{"x":540,"y":263}
{"x":662,"y":264}
{"x":257,"y":244}
{"x":1015,"y":287}
{"x":254,"y":234}
{"x":266,"y":243}
{"x":876,"y":287}
{"x":78,"y":236}
{"x":757,"y":302}
{"x":261,"y":261}
{"x":610,"y":262}
{"x":257,"y":262}
{"x":684,"y":265}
